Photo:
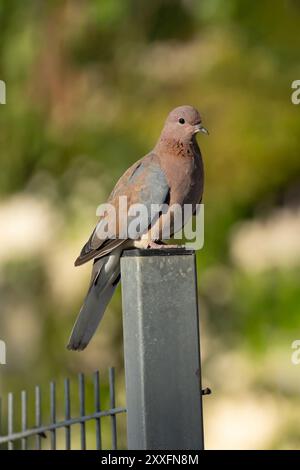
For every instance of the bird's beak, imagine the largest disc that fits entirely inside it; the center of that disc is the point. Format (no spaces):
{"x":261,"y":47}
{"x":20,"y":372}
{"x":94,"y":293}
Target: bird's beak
{"x":200,"y":128}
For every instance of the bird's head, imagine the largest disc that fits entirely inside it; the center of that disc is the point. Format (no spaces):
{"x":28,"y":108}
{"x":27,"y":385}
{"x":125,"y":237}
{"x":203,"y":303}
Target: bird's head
{"x":183,"y":123}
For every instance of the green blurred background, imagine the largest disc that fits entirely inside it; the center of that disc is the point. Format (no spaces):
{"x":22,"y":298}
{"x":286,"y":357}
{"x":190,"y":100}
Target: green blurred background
{"x":89,"y":85}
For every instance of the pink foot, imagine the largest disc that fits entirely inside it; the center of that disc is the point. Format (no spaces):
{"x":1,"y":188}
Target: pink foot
{"x":160,"y":246}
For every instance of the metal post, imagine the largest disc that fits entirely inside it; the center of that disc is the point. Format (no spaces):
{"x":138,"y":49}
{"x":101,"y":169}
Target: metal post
{"x":161,"y":342}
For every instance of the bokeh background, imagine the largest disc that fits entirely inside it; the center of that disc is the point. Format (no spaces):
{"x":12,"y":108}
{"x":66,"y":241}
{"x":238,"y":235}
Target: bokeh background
{"x":89,"y":85}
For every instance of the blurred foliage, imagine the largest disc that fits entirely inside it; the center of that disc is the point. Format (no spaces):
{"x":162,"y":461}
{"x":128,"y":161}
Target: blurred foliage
{"x":89,"y":85}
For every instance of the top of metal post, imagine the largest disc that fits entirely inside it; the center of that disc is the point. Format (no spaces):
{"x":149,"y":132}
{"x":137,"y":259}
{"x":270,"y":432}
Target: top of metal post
{"x":158,"y":252}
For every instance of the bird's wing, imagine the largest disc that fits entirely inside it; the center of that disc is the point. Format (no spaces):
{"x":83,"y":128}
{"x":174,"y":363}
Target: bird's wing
{"x":143,"y":183}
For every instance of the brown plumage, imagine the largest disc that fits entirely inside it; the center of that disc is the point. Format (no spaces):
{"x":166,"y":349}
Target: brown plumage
{"x":171,"y":173}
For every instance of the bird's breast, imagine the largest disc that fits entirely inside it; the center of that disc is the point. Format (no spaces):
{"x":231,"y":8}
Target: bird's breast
{"x":185,"y":177}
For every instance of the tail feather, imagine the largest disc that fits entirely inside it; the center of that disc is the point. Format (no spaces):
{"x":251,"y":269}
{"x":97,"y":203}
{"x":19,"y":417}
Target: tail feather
{"x":105,"y":277}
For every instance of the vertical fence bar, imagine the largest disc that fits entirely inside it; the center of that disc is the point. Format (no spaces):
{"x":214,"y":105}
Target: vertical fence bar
{"x":53,"y":414}
{"x":82,"y":410}
{"x":162,"y":349}
{"x":0,"y":418}
{"x":24,"y":417}
{"x":38,"y":416}
{"x":67,"y":412}
{"x":10,"y":419}
{"x":97,"y":409}
{"x":113,"y":417}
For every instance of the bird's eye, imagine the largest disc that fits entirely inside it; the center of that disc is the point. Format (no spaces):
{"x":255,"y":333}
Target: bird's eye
{"x":181,"y":120}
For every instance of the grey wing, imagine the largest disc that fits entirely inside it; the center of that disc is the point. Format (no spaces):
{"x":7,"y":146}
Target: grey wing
{"x":143,"y":184}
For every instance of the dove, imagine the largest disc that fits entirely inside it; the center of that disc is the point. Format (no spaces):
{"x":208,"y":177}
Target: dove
{"x":172,"y":173}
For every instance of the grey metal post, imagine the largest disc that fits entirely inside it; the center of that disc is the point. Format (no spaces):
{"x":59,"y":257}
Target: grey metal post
{"x":162,"y":350}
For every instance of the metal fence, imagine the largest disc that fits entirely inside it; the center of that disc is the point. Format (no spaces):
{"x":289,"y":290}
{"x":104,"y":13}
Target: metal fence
{"x":20,"y":439}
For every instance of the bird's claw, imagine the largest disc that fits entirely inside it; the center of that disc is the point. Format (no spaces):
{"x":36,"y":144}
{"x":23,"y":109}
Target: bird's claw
{"x":160,"y":245}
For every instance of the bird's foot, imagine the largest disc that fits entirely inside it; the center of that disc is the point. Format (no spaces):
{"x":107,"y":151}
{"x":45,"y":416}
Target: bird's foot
{"x":159,"y":245}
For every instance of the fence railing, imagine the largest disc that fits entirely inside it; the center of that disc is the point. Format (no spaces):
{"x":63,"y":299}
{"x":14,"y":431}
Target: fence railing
{"x":20,"y":438}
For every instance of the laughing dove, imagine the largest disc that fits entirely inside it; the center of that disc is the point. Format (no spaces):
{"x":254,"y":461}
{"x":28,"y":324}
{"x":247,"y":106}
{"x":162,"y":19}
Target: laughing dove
{"x":172,"y":173}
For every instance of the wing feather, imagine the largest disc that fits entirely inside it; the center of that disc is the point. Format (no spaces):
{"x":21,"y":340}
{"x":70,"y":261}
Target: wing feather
{"x":143,"y":183}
